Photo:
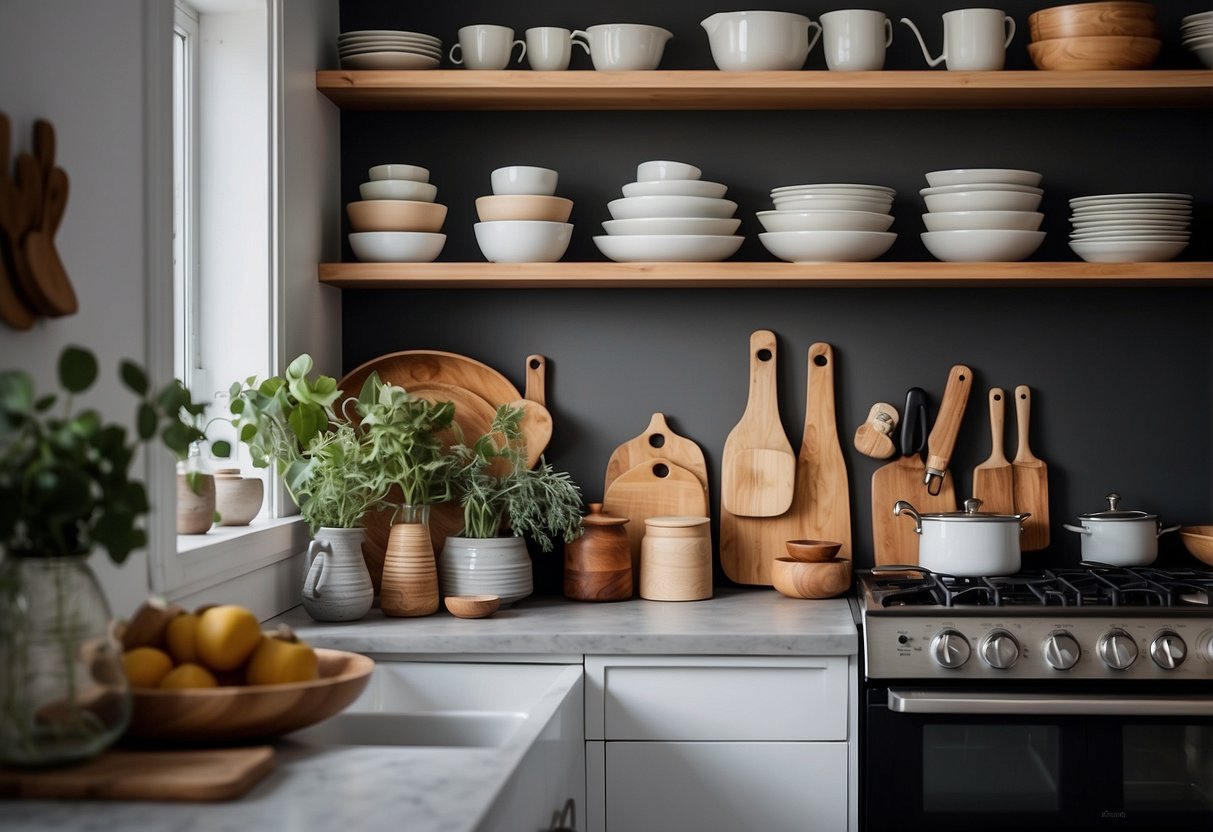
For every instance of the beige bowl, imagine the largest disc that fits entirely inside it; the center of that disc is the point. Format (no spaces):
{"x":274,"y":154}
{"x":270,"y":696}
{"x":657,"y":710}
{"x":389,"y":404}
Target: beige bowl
{"x":472,"y":606}
{"x":524,"y":207}
{"x":395,"y":215}
{"x":798,"y":579}
{"x":1095,"y":53}
{"x":1093,"y":20}
{"x":237,"y":498}
{"x":1199,"y":541}
{"x":812,"y":551}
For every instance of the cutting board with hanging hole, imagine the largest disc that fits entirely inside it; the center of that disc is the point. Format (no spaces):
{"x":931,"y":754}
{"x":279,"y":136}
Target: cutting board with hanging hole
{"x":657,"y":441}
{"x":994,"y":479}
{"x":654,"y":488}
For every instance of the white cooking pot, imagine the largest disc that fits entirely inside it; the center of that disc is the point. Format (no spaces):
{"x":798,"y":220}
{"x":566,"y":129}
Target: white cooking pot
{"x":1119,"y":537}
{"x":966,"y":543}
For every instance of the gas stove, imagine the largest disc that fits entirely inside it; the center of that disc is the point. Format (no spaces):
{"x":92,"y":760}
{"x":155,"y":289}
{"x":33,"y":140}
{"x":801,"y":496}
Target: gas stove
{"x":1086,"y":623}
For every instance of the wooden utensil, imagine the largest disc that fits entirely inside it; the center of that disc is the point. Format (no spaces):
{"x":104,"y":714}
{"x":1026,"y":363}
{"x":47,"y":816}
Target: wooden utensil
{"x":947,"y":425}
{"x":758,"y":467}
{"x":44,"y":262}
{"x":204,"y":774}
{"x":1031,"y":479}
{"x":993,"y":480}
{"x":874,"y":437}
{"x":655,"y":488}
{"x":657,"y":441}
{"x":536,"y":419}
{"x":13,"y":309}
{"x":18,"y":207}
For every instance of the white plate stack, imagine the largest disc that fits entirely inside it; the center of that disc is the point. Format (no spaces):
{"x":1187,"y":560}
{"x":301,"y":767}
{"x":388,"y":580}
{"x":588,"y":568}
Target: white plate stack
{"x":670,"y":215}
{"x":1197,"y":32}
{"x":1130,"y":228}
{"x":388,"y":49}
{"x":982,"y":215}
{"x":832,"y":223}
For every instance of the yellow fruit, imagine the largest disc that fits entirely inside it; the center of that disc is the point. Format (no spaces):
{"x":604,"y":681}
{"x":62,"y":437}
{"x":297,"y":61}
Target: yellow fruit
{"x":226,"y":636}
{"x":282,"y":658}
{"x":189,"y":675}
{"x":146,"y":666}
{"x":180,"y":638}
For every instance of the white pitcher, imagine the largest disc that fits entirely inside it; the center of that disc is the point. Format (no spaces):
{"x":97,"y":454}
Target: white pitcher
{"x":973,"y":39}
{"x":338,"y":585}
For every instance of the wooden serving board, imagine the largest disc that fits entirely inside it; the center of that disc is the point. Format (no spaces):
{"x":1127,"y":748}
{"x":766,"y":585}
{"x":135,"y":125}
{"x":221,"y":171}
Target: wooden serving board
{"x":658,"y":441}
{"x":412,"y":367}
{"x":128,"y":774}
{"x":1031,"y":479}
{"x":655,"y":488}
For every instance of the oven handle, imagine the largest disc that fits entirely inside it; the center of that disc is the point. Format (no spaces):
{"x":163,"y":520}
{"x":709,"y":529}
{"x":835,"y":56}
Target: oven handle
{"x":931,"y":702}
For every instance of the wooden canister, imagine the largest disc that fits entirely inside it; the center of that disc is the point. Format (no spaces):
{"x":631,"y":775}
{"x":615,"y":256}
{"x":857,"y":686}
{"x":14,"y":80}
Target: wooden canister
{"x":676,"y":559}
{"x":598,"y":565}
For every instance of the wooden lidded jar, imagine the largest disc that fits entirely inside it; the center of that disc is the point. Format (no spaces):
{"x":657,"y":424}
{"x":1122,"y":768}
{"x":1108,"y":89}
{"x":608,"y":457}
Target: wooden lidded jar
{"x":598,"y":565}
{"x":676,"y":559}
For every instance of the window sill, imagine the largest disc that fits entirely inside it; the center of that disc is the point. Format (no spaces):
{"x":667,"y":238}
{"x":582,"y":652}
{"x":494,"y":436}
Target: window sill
{"x":229,"y":552}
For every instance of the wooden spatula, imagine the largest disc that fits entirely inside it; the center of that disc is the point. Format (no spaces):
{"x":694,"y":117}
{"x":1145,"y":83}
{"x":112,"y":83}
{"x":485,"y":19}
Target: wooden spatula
{"x":1031,"y":479}
{"x":994,"y":480}
{"x":947,"y":425}
{"x":758,"y":467}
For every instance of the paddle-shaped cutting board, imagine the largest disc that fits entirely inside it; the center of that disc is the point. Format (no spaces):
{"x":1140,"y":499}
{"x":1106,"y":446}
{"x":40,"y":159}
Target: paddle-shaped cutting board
{"x":994,"y":480}
{"x":1031,"y":479}
{"x":758,"y":467}
{"x":658,"y":441}
{"x":654,"y":488}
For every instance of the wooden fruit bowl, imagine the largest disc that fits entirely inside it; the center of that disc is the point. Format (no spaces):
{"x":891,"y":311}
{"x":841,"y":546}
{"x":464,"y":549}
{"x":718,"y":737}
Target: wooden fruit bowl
{"x":1199,"y":541}
{"x":1097,"y":53}
{"x":802,"y":579}
{"x":1093,"y":20}
{"x":250,"y":712}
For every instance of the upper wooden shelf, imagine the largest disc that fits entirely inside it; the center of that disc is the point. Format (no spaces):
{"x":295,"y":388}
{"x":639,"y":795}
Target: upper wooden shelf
{"x":738,"y":274}
{"x":514,"y":89}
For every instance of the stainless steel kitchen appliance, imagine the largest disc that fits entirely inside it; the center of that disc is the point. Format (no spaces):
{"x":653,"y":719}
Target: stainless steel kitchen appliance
{"x":1076,"y":699}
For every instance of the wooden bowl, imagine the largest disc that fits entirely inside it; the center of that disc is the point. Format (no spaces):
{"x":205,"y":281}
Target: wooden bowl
{"x":798,"y":579}
{"x":812,"y":551}
{"x":250,"y":712}
{"x":523,"y":207}
{"x":1077,"y":54}
{"x":1093,"y":20}
{"x":396,"y":215}
{"x":1199,"y":541}
{"x":472,"y":606}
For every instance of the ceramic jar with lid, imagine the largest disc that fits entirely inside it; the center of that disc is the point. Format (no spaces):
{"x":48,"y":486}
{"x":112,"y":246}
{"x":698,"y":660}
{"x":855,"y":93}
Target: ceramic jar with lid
{"x":1118,"y":536}
{"x":676,"y":559}
{"x":598,"y":565}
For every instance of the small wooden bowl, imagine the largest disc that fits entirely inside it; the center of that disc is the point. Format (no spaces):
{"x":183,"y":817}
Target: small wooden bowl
{"x":472,"y":606}
{"x":1093,"y":20}
{"x":812,"y":551}
{"x":395,"y":215}
{"x":1199,"y":541}
{"x":797,"y":579}
{"x":523,"y":207}
{"x":1085,"y":54}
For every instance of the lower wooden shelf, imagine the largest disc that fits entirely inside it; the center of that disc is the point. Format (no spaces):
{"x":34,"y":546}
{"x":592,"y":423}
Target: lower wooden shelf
{"x":735,"y":274}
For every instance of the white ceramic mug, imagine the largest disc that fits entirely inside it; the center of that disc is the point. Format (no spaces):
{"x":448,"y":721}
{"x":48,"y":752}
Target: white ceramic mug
{"x":855,"y":40}
{"x":617,"y":47}
{"x":484,"y":46}
{"x":974,"y":40}
{"x":550,"y":48}
{"x":524,"y":179}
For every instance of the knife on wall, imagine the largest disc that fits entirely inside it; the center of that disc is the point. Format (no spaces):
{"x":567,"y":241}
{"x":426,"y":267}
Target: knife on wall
{"x":947,"y":425}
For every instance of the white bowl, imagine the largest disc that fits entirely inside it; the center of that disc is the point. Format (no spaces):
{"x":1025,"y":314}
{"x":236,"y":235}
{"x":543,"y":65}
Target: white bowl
{"x":970,"y":220}
{"x":758,"y":41}
{"x":829,"y":202}
{"x":1205,"y":54}
{"x":523,"y":241}
{"x":524,"y":180}
{"x":982,"y":201}
{"x":1127,"y":251}
{"x":676,"y":187}
{"x":397,"y":246}
{"x":663,"y":169}
{"x":409,"y":189}
{"x":966,"y":176}
{"x":980,"y":186}
{"x":413,"y":172}
{"x":982,"y":245}
{"x":633,"y":207}
{"x":827,"y":246}
{"x":668,"y":248}
{"x":873,"y":190}
{"x":703,"y":226}
{"x":825,"y":220}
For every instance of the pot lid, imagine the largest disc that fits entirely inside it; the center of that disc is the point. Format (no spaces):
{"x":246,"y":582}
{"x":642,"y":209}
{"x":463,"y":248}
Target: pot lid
{"x":1112,"y":512}
{"x":598,"y":517}
{"x":970,"y":514}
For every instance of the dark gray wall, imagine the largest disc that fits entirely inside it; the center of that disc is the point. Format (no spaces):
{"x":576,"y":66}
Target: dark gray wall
{"x":1122,"y":378}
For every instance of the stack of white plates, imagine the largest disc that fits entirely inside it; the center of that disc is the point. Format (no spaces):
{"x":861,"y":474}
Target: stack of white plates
{"x":982,"y":214}
{"x":669,"y":214}
{"x":388,"y":49}
{"x":1130,"y":228}
{"x":1197,"y":32}
{"x":829,"y":222}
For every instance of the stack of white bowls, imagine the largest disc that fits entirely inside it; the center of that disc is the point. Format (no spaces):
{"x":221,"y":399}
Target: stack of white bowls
{"x":1197,"y":32}
{"x":524,"y":221}
{"x":1130,"y":228}
{"x":397,"y":220}
{"x":668,"y":215}
{"x":388,"y":49}
{"x":829,"y":223}
{"x":982,"y":214}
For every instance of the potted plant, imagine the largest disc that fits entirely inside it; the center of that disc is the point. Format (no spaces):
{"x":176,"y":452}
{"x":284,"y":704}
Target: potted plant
{"x":65,"y":490}
{"x":503,"y":500}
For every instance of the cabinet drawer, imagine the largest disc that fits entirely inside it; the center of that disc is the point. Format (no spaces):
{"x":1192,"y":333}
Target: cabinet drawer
{"x":716,"y":698}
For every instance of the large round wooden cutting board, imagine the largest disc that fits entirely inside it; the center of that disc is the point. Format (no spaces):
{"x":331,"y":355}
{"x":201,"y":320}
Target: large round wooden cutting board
{"x":410,"y":368}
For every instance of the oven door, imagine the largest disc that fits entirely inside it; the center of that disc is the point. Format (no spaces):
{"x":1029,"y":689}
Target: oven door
{"x":939,"y":758}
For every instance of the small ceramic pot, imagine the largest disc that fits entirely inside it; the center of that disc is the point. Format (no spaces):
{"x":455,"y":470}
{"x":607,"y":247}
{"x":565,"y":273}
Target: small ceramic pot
{"x":966,"y":543}
{"x":338,"y":585}
{"x":195,"y":509}
{"x":1119,"y":537}
{"x":498,"y":566}
{"x":237,"y":498}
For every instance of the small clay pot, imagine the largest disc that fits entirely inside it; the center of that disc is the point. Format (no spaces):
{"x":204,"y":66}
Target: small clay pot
{"x":598,"y":565}
{"x":195,"y":511}
{"x":237,"y":498}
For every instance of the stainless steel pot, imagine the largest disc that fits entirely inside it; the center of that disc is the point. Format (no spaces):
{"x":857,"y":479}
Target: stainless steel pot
{"x":1119,"y":537}
{"x":966,"y":543}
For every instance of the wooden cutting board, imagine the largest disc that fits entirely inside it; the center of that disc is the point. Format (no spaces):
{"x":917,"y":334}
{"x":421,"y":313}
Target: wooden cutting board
{"x":994,"y":480}
{"x":127,"y":774}
{"x":654,"y":488}
{"x":411,"y":367}
{"x":658,"y":441}
{"x":1031,"y":479}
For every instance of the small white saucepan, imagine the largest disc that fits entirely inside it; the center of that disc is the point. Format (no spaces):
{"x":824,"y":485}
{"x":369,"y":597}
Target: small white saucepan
{"x":967,"y":543}
{"x":1119,"y":537}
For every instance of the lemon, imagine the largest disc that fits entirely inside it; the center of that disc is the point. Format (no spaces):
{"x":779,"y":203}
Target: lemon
{"x":146,"y":666}
{"x":278,"y":660}
{"x":180,"y":638}
{"x":226,"y":636}
{"x":189,"y":675}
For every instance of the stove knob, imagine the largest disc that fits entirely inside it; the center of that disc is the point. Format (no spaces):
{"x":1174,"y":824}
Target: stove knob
{"x":1061,"y":651}
{"x":1000,"y":650}
{"x":1168,"y":651}
{"x":1117,"y":649}
{"x":950,"y":649}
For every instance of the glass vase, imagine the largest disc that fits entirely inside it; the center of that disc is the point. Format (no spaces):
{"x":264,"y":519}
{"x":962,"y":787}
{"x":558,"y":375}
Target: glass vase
{"x":64,"y":695}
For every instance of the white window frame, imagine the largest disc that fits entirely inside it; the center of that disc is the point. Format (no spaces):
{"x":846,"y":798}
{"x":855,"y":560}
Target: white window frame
{"x":187,"y":244}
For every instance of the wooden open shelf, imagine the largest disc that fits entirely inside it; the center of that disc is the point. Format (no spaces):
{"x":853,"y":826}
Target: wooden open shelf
{"x":514,"y":89}
{"x":734,"y":274}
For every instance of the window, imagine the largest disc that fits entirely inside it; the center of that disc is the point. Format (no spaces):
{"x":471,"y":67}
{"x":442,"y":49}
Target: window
{"x":185,"y":194}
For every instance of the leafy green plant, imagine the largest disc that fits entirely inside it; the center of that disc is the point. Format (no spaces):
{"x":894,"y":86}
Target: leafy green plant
{"x":65,"y":484}
{"x":498,"y":491}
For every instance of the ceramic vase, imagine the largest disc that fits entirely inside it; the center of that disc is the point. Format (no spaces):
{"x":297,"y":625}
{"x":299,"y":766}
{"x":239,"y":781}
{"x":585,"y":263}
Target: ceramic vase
{"x":598,"y":565}
{"x":338,"y":585}
{"x":498,"y":566}
{"x":237,"y":498}
{"x":409,"y":586}
{"x":195,"y":509}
